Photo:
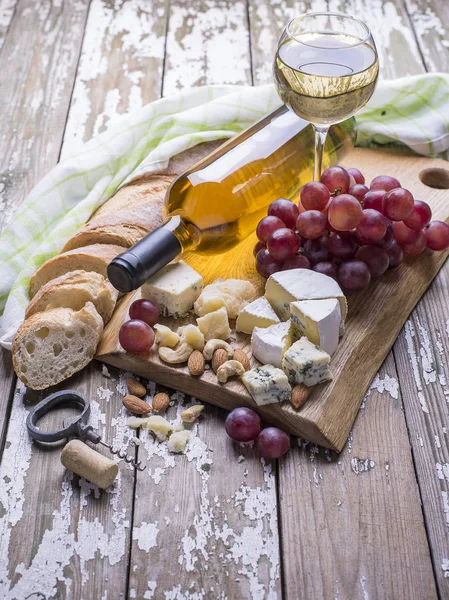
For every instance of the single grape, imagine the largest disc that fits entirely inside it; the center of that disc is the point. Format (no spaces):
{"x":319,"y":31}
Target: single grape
{"x":372,"y":227}
{"x":266,"y":265}
{"x":352,"y":181}
{"x":420,"y":216}
{"x":356,"y":174}
{"x":285,"y":210}
{"x":359,"y":191}
{"x":437,"y":235}
{"x":388,"y":237}
{"x":144,"y":310}
{"x":297,"y":262}
{"x":266,"y":227}
{"x":301,"y":208}
{"x":326,"y":268}
{"x":273,"y":442}
{"x":243,"y":424}
{"x":136,"y":336}
{"x":283,"y":243}
{"x":417,"y":247}
{"x":373,"y":199}
{"x":403,"y":234}
{"x":397,"y":204}
{"x":345,"y":212}
{"x":384,"y":182}
{"x":315,"y":251}
{"x":314,"y":196}
{"x":395,"y":254}
{"x":259,"y":246}
{"x":376,"y":259}
{"x":336,"y":179}
{"x":353,"y":275}
{"x":311,"y":224}
{"x":342,"y":246}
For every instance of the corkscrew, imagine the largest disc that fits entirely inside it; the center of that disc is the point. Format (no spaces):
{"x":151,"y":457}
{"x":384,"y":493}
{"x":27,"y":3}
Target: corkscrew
{"x":72,"y":427}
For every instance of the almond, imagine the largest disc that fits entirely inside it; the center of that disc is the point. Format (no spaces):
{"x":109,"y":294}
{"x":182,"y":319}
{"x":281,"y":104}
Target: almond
{"x":300,"y":393}
{"x":196,"y":363}
{"x":136,"y":405}
{"x":161,"y":402}
{"x":241,"y":356}
{"x":220,"y":357}
{"x":191,"y":414}
{"x":135,"y":388}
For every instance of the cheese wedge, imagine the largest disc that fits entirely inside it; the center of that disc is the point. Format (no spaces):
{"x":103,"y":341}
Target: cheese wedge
{"x":318,"y":320}
{"x":285,"y":287}
{"x":306,"y":363}
{"x":257,"y":314}
{"x":269,"y":344}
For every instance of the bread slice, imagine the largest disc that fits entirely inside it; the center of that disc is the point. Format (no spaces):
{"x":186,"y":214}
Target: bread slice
{"x":53,"y":345}
{"x":73,"y":290}
{"x":91,"y":258}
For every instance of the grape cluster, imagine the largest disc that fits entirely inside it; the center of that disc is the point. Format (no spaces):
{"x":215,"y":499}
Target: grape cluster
{"x":245,"y":425}
{"x":347,"y":230}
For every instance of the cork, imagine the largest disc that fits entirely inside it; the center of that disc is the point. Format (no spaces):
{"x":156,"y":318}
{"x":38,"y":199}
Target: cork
{"x":86,"y":462}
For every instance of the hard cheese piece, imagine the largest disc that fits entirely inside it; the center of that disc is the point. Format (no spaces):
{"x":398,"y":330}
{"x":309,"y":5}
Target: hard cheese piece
{"x":190,"y":334}
{"x":165,"y":336}
{"x":215,"y":325}
{"x":174,"y":289}
{"x":306,"y":363}
{"x":233,"y":294}
{"x":269,"y":344}
{"x":177,"y":442}
{"x":267,"y":384}
{"x":285,"y":287}
{"x":257,"y":314}
{"x":319,"y":321}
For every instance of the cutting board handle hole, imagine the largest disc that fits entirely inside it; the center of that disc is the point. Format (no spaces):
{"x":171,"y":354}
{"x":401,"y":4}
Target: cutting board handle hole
{"x":435,"y":178}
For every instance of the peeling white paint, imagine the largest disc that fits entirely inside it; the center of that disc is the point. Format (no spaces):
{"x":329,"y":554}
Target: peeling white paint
{"x":361,"y":465}
{"x":146,"y":535}
{"x":445,"y":566}
{"x":426,"y":352}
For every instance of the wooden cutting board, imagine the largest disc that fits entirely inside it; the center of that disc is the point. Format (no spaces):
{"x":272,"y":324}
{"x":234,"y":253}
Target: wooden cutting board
{"x":376,"y":315}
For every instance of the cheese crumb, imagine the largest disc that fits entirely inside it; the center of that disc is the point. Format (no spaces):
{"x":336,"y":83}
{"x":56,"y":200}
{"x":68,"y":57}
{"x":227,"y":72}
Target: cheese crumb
{"x":178,"y":441}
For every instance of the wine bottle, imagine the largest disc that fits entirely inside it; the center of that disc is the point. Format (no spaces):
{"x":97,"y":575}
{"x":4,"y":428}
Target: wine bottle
{"x":218,"y":202}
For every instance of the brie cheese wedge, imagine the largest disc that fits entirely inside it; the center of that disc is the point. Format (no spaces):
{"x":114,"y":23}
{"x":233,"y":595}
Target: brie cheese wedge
{"x":319,"y":321}
{"x":257,"y":314}
{"x":268,"y":344}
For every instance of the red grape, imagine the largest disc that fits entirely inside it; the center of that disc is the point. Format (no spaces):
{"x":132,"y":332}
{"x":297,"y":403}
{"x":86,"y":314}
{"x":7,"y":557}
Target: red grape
{"x":345,"y":212}
{"x":266,"y":227}
{"x":388,"y":238}
{"x":395,"y":254}
{"x":356,"y":174}
{"x":144,"y":310}
{"x":420,"y":215}
{"x":353,"y":275}
{"x":243,"y":424}
{"x":336,"y":179}
{"x":326,"y":268}
{"x":384,"y":182}
{"x":136,"y":336}
{"x":403,"y":234}
{"x":372,"y":227}
{"x":352,"y":181}
{"x":273,"y":442}
{"x":398,"y":204}
{"x":376,"y":259}
{"x":437,"y":235}
{"x":297,"y":262}
{"x":417,"y":247}
{"x":359,"y":191}
{"x":266,"y":265}
{"x":301,"y":208}
{"x":285,"y":210}
{"x":311,"y":224}
{"x":342,"y":246}
{"x":283,"y":243}
{"x":314,"y":196}
{"x":315,"y":251}
{"x":373,"y":199}
{"x":259,"y":246}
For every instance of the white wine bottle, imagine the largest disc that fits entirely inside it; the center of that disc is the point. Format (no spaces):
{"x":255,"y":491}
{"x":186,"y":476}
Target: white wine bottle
{"x":218,"y":202}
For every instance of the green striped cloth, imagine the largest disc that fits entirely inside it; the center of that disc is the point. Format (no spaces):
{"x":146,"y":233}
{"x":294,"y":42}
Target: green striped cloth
{"x":411,"y":111}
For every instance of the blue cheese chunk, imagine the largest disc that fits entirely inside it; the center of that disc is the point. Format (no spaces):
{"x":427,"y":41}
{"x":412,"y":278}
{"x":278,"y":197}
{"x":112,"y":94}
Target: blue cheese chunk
{"x":267,"y":384}
{"x":268,"y":344}
{"x":306,"y":363}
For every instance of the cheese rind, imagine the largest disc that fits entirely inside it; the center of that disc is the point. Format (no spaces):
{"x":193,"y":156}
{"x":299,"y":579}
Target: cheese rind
{"x":267,"y":384}
{"x":268,"y":344}
{"x":174,"y":289}
{"x":233,"y":294}
{"x":285,"y":287}
{"x":306,"y":363}
{"x":215,"y":325}
{"x":318,"y":320}
{"x":257,"y":314}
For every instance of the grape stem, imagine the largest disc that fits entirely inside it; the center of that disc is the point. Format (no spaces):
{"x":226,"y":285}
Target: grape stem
{"x":320,"y":139}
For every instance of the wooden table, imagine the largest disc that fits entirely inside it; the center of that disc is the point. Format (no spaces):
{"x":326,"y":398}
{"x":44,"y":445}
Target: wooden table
{"x":372,"y":522}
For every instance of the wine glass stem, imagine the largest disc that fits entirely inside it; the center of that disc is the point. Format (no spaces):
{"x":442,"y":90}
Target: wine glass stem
{"x":320,"y":139}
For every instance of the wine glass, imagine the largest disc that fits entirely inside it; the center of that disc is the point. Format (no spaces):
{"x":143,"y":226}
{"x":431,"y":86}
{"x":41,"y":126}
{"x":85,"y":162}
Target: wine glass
{"x":325,"y":70}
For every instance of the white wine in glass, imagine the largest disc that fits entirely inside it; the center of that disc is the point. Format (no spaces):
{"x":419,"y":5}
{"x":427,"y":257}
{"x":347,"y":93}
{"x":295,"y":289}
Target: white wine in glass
{"x":325,"y":70}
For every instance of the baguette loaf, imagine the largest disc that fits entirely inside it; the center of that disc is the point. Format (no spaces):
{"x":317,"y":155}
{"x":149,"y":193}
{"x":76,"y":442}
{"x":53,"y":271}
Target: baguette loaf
{"x":51,"y":346}
{"x":73,"y":290}
{"x":91,"y":258}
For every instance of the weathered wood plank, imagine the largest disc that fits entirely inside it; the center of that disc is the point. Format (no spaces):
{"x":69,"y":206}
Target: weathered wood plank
{"x":430,"y":20}
{"x":7,"y":9}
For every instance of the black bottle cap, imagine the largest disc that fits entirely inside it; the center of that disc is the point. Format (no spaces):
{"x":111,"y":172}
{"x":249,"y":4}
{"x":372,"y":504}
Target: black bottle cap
{"x":130,"y":270}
